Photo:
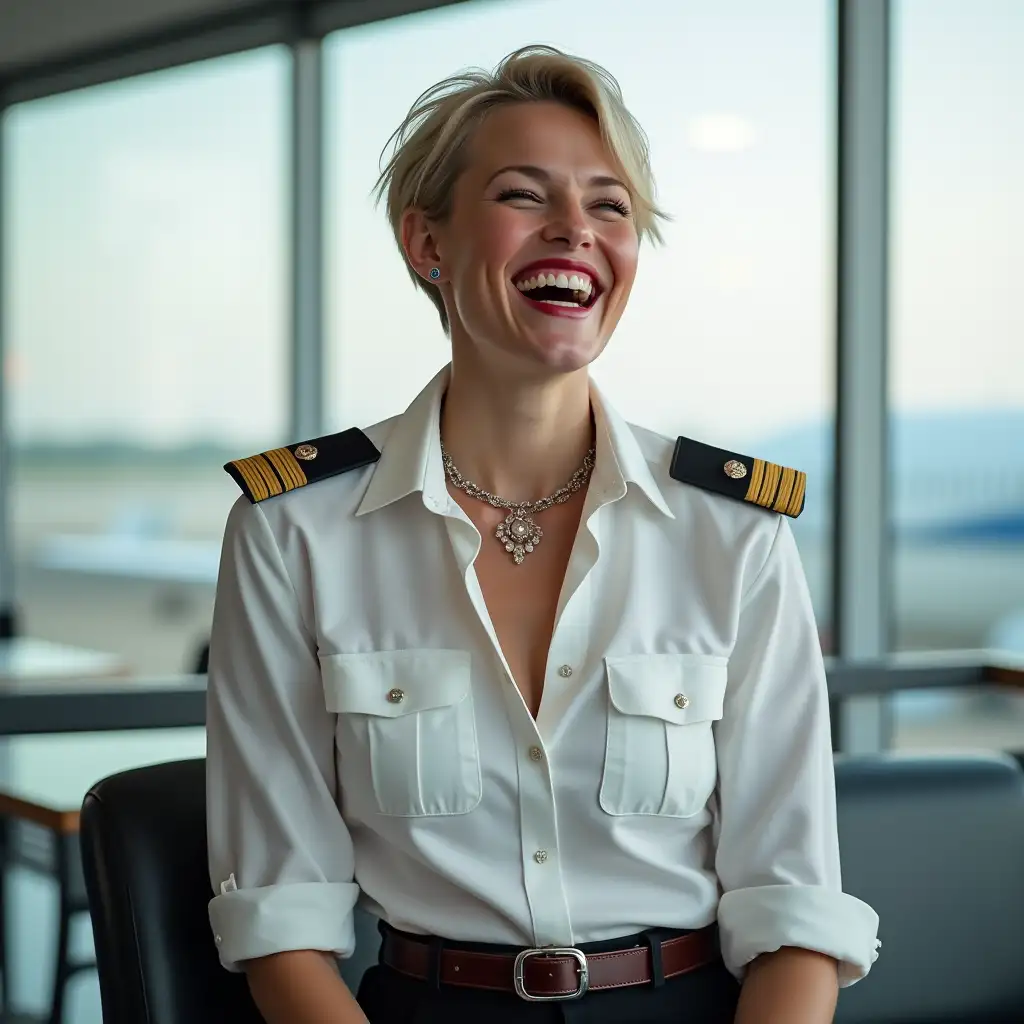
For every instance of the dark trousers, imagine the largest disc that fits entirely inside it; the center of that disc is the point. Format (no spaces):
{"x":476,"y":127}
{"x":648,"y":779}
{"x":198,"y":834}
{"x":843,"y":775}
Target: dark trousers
{"x":705,"y":996}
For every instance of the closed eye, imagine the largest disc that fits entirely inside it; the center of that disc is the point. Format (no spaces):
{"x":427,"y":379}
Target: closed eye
{"x":521,"y":193}
{"x":518,"y":193}
{"x":615,"y":204}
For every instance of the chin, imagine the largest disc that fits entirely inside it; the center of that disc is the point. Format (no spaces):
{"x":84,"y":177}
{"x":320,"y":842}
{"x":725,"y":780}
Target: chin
{"x":551,"y":349}
{"x":563,"y":355}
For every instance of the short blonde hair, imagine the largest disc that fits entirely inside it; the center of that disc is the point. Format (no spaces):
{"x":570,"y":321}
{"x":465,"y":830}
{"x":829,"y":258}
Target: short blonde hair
{"x":429,"y":146}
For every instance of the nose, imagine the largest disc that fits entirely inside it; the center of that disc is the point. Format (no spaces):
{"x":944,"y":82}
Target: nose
{"x":569,"y":225}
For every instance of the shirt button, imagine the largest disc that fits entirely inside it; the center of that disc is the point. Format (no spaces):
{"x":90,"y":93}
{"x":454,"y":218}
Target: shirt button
{"x":540,"y":856}
{"x":396,"y":696}
{"x":217,"y":939}
{"x":565,"y":671}
{"x":536,"y":753}
{"x":682,"y":701}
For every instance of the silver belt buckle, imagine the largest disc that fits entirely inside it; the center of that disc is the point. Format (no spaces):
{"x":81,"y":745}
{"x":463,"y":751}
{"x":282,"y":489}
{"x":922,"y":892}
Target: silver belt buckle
{"x":520,"y":966}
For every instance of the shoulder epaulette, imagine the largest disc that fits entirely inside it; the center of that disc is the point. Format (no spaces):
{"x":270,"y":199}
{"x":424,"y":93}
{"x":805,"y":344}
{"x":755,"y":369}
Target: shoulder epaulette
{"x":739,"y":476}
{"x":286,"y":469}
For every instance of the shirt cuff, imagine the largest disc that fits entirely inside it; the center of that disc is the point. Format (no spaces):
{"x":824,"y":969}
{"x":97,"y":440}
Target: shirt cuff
{"x":248,"y":923}
{"x":765,"y":918}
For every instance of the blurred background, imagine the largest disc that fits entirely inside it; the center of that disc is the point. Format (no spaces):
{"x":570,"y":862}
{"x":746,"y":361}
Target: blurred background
{"x":192,"y":270}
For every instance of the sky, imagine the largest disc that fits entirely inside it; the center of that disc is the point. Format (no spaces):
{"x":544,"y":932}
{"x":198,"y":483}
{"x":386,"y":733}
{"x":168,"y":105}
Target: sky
{"x":146,"y":224}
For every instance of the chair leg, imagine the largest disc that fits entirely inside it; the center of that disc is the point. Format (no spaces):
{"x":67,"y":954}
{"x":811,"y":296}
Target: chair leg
{"x":61,"y":972}
{"x":62,"y":969}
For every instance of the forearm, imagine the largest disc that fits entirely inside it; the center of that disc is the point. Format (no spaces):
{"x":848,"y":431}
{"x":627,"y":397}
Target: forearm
{"x":301,"y":987}
{"x":789,"y":986}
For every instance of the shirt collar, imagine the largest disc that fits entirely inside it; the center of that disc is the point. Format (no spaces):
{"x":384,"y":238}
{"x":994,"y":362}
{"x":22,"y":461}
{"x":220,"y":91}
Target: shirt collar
{"x":410,"y":459}
{"x":620,"y":460}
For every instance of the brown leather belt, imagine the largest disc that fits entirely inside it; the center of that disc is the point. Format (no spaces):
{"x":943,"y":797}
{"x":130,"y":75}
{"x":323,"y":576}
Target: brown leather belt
{"x":550,"y":973}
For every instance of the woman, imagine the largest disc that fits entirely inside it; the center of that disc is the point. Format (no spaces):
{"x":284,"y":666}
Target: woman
{"x":509,"y":672}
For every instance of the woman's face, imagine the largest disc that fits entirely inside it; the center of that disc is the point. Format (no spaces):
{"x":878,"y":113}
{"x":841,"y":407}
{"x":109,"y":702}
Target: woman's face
{"x":540,"y":251}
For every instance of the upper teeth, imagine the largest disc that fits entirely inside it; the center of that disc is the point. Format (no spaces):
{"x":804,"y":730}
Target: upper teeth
{"x":574,"y":282}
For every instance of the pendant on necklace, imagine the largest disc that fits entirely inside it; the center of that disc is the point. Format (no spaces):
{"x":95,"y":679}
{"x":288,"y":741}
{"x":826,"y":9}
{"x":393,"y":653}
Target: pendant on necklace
{"x":520,"y":535}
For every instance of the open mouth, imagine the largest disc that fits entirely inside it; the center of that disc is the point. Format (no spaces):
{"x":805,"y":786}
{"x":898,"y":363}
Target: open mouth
{"x":559,"y":288}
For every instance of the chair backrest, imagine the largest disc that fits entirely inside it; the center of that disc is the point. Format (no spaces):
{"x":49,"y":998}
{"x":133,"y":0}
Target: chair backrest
{"x":144,"y":856}
{"x":936,"y":846}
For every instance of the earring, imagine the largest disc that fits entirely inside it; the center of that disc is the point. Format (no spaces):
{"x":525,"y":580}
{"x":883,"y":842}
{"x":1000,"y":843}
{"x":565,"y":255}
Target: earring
{"x":435,"y":273}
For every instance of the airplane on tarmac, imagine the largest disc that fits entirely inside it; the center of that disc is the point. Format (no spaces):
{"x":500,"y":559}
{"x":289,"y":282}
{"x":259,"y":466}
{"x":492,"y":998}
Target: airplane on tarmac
{"x":956,"y":490}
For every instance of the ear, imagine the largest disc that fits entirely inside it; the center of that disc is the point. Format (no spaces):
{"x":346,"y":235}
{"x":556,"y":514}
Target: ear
{"x":420,"y":244}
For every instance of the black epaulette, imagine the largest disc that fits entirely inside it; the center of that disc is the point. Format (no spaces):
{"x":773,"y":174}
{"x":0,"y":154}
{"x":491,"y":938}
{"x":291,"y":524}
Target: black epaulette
{"x":286,"y":469}
{"x":739,"y":476}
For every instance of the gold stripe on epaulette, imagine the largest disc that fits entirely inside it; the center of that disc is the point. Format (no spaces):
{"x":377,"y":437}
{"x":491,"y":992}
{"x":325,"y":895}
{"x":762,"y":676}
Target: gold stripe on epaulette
{"x":756,"y":476}
{"x":288,"y":468}
{"x":769,"y":484}
{"x":266,"y":488}
{"x":772,"y":475}
{"x":782,"y":499}
{"x":273,"y":480}
{"x":252,"y":480}
{"x":766,"y":480}
{"x":259,"y":468}
{"x":797,"y":500}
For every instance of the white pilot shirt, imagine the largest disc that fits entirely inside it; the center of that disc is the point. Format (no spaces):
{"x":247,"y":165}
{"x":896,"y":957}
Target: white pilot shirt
{"x":367,"y":744}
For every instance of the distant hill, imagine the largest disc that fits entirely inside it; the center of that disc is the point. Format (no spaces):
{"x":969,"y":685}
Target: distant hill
{"x":64,"y":456}
{"x":959,"y":472}
{"x":960,"y":476}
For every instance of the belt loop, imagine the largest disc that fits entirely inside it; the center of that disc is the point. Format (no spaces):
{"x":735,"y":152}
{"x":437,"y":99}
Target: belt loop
{"x":434,"y":971}
{"x":652,"y":939}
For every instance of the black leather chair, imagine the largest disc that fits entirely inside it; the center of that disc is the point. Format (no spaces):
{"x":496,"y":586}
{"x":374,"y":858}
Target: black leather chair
{"x":144,"y":854}
{"x":934,"y":844}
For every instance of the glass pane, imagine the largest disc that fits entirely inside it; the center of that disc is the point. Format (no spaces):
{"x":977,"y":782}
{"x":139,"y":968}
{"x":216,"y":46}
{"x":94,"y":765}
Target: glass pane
{"x":146,"y":329}
{"x":957,"y":325}
{"x":728,"y":336}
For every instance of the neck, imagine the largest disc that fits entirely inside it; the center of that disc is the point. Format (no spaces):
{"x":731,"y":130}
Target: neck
{"x":519,"y":440}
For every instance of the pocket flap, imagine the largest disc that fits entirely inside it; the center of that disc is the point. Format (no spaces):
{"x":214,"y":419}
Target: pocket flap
{"x":677,"y":688}
{"x":394,"y":683}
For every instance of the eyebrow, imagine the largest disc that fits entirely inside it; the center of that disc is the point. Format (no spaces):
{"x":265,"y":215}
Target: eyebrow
{"x":539,"y":174}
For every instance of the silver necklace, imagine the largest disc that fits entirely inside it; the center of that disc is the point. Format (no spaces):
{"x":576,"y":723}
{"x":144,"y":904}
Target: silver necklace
{"x":519,"y":533}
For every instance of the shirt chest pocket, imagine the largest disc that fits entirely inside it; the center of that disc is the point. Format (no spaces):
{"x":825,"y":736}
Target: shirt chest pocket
{"x":407,"y":718}
{"x":660,"y":748}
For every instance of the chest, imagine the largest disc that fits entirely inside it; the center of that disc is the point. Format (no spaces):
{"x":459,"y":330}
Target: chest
{"x":522,"y":599}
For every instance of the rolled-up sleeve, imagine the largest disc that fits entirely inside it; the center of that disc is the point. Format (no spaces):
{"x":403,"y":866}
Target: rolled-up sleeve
{"x":280,"y":855}
{"x":777,"y":853}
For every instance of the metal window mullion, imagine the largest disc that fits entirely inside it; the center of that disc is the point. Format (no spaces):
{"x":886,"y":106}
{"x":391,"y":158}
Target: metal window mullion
{"x":8,"y":623}
{"x":307,"y":237}
{"x":7,"y":594}
{"x":861,"y":583}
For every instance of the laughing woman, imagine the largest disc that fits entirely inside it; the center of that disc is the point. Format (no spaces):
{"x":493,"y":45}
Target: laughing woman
{"x":538,"y":689}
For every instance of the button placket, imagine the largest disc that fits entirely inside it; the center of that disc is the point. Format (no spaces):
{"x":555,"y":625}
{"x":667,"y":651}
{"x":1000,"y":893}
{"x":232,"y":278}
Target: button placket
{"x":539,"y":841}
{"x":567,"y":660}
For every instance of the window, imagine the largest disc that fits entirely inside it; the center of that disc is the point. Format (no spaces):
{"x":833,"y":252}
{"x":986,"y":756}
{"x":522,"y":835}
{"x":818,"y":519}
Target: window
{"x":957,"y":363}
{"x":146,"y":263}
{"x":728,"y":336}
